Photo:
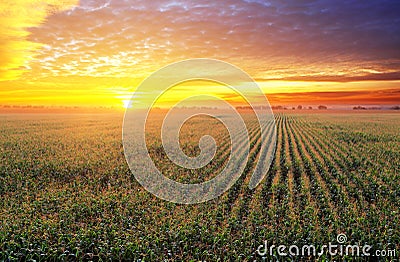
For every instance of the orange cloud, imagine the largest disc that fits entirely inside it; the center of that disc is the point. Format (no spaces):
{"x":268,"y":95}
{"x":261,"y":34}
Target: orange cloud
{"x":16,"y":17}
{"x":363,"y":97}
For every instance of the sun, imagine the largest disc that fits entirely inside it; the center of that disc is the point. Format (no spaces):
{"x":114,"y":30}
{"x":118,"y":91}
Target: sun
{"x":126,"y":104}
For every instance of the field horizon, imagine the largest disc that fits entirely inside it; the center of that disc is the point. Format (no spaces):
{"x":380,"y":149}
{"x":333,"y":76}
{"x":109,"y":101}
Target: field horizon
{"x":104,"y":110}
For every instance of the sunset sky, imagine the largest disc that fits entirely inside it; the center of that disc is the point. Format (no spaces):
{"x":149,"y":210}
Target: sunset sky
{"x":95,"y":52}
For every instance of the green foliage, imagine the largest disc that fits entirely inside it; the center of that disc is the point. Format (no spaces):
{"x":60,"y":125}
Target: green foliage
{"x":67,"y":193}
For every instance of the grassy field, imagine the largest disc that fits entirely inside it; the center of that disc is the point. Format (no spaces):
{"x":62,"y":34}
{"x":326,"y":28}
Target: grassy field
{"x":67,"y":192}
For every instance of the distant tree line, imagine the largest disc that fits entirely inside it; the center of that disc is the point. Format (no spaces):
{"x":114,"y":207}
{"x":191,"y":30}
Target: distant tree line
{"x":299,"y":107}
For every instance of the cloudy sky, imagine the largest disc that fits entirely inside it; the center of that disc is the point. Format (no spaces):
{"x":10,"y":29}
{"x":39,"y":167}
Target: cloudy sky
{"x":95,"y":52}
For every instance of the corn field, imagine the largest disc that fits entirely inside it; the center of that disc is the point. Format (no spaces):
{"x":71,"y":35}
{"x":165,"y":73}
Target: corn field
{"x":68,"y":194}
